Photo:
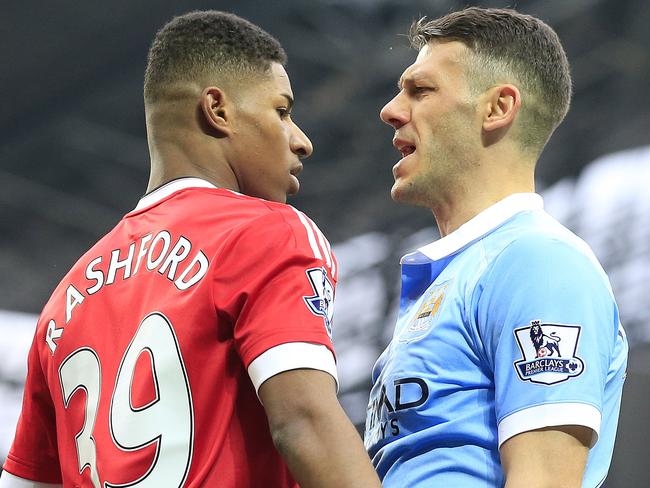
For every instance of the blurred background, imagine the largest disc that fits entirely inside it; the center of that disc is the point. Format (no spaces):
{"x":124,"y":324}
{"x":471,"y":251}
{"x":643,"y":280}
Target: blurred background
{"x":73,"y":160}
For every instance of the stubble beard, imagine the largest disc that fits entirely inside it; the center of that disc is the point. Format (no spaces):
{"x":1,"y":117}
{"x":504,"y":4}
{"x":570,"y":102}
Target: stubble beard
{"x":425,"y":187}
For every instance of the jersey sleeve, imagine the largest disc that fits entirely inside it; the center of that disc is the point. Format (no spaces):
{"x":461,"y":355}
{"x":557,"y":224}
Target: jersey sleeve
{"x":549,"y":324}
{"x":8,"y":480}
{"x":275,"y":282}
{"x":33,"y":454}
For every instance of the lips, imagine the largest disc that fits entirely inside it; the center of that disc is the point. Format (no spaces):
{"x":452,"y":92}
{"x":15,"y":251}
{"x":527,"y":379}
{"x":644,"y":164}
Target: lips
{"x":295,"y":170}
{"x":406,"y":150}
{"x":405,"y":147}
{"x":294,"y":185}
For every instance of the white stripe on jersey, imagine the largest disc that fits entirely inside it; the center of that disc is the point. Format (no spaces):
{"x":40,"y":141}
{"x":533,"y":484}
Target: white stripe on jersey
{"x":312,"y":229}
{"x":329,"y":251}
{"x":310,"y":233}
{"x":323,"y":245}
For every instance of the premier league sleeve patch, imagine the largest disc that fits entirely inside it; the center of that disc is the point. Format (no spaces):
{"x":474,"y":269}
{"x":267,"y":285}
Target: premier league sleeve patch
{"x":549,"y":353}
{"x":322,"y":301}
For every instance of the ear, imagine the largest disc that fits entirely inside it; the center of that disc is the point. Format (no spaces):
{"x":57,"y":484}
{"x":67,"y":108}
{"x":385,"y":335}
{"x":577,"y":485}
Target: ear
{"x":503,"y":104}
{"x":215,"y":108}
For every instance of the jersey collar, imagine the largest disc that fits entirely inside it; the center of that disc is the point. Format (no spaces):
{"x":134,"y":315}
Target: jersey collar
{"x":480,"y":225}
{"x":170,"y":187}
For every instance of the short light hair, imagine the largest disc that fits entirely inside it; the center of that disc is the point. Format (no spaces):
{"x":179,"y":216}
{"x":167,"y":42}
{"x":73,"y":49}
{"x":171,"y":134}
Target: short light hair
{"x":509,"y":47}
{"x":204,"y":44}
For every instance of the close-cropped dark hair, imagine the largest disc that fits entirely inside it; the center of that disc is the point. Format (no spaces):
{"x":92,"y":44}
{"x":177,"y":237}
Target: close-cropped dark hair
{"x":509,"y":47}
{"x":207,"y":43}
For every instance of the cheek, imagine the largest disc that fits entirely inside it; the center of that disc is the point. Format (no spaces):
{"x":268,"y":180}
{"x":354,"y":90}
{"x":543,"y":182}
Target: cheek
{"x":275,"y":136}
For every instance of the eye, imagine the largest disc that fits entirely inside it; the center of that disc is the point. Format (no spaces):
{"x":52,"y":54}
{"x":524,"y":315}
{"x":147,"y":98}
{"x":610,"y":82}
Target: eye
{"x":421,"y":90}
{"x":283,"y":112}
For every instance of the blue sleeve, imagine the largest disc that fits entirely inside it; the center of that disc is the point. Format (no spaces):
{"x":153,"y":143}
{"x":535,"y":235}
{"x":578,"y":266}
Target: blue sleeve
{"x":548,"y":322}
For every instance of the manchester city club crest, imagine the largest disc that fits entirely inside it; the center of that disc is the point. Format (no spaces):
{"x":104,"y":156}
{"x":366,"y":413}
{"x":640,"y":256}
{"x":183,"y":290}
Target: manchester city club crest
{"x":421,"y":321}
{"x":549,"y":353}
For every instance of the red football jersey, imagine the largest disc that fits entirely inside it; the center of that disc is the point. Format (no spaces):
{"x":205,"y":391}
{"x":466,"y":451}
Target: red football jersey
{"x":146,"y":359}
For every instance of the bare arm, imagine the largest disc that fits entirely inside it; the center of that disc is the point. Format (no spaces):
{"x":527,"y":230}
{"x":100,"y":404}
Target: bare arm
{"x":550,"y":457}
{"x":313,"y":434}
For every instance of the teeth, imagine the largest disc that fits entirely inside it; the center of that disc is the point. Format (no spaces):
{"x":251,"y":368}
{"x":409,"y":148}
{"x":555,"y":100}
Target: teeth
{"x":408,"y":150}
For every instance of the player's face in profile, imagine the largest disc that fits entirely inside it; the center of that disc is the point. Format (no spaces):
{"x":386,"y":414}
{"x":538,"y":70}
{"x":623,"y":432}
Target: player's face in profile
{"x":268,"y":144}
{"x":436,"y":122}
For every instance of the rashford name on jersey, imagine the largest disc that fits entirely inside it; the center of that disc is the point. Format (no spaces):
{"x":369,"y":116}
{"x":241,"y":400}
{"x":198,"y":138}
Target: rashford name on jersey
{"x":161,"y":252}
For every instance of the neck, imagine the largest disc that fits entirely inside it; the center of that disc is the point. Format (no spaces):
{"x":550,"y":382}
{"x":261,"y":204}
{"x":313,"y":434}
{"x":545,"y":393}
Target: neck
{"x":171,"y":160}
{"x":468,"y":199}
{"x":179,"y":147}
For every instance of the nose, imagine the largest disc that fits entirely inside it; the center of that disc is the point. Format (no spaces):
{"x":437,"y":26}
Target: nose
{"x":395,"y":113}
{"x":300,"y":143}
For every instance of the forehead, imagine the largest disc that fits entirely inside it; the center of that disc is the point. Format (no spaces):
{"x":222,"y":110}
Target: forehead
{"x":279,"y":78}
{"x":264,"y":87}
{"x":439,"y":59}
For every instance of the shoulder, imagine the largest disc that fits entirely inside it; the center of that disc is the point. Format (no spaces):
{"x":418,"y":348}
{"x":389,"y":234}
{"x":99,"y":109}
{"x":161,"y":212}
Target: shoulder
{"x":256,"y":212}
{"x":233,"y":216}
{"x":540,"y":239}
{"x":285,"y":219}
{"x":277,"y":229}
{"x":544,"y":251}
{"x":303,"y":228}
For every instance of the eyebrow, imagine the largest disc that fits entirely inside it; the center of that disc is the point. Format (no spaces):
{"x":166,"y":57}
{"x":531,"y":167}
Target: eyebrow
{"x":408,"y":80}
{"x":289,"y":100}
{"x":412,"y":79}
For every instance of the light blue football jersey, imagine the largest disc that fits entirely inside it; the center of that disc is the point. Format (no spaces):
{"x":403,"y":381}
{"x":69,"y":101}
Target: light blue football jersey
{"x":506,"y":325}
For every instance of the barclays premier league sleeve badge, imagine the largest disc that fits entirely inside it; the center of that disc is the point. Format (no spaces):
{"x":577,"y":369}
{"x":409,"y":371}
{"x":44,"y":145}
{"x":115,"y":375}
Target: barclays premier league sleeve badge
{"x":549,"y":353}
{"x":321,"y":303}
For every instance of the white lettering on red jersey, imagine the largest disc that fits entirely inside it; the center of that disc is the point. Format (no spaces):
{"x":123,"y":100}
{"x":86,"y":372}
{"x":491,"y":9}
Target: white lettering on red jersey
{"x":147,"y":358}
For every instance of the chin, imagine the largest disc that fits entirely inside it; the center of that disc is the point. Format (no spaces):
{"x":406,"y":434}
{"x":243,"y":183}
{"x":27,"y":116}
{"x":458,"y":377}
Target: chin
{"x":269,"y":196}
{"x":400,"y":193}
{"x":277,"y":198}
{"x":280,"y":197}
{"x":408,"y":195}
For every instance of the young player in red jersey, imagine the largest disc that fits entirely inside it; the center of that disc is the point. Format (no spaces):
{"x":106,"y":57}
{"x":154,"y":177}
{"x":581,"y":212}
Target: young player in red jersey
{"x":195,"y":338}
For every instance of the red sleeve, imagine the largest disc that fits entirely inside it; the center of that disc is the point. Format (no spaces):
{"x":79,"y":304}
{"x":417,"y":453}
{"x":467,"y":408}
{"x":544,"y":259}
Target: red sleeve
{"x":275,"y":281}
{"x":33,"y":454}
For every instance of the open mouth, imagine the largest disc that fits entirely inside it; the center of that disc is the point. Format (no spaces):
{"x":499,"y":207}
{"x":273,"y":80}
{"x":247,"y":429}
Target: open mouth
{"x":404,"y":146}
{"x":407,"y":150}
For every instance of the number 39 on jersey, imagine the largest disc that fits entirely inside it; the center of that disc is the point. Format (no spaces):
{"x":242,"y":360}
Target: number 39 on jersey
{"x":167,"y":421}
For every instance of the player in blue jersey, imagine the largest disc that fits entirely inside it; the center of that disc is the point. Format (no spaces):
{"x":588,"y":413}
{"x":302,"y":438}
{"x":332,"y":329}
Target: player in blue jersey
{"x":507,"y":362}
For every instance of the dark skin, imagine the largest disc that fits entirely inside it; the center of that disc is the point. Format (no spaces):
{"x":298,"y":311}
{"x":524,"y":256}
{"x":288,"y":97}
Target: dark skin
{"x":312,"y":432}
{"x":237,"y":136}
{"x":241,"y":137}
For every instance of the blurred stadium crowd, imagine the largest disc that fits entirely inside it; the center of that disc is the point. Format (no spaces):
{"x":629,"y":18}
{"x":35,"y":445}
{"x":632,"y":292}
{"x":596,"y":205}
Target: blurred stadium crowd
{"x":74,"y":158}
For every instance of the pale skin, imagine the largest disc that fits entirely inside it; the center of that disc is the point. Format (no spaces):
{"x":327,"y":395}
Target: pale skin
{"x":461,"y":155}
{"x":476,"y":163}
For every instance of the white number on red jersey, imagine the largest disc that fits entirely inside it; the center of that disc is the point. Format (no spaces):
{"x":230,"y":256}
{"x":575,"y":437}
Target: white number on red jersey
{"x":167,"y":421}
